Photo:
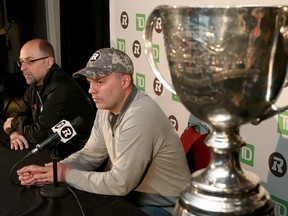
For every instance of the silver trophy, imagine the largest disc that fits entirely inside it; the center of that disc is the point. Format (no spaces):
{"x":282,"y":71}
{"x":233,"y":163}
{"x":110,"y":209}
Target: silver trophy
{"x":228,"y":66}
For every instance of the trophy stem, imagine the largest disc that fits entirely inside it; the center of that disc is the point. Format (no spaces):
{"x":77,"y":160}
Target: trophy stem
{"x":223,"y":188}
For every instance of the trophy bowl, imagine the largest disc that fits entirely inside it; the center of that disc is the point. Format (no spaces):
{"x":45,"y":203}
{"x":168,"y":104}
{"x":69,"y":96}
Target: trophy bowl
{"x":228,"y":66}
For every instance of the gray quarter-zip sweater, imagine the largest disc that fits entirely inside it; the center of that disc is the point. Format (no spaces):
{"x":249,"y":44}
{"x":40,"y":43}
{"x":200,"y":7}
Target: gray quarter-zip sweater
{"x":146,"y":155}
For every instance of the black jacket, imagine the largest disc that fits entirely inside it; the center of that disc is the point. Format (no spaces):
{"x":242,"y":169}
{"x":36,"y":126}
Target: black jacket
{"x":42,"y":107}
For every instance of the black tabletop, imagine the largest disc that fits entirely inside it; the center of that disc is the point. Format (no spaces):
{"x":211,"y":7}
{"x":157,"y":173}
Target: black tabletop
{"x":17,"y":200}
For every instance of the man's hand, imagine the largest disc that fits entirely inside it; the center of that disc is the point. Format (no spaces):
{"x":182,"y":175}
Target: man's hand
{"x":18,"y":141}
{"x":34,"y":175}
{"x":39,"y":175}
{"x":7,"y":124}
{"x":2,"y":31}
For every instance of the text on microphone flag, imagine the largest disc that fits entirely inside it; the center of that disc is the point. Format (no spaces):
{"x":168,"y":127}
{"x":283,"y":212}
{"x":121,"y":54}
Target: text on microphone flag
{"x":65,"y":130}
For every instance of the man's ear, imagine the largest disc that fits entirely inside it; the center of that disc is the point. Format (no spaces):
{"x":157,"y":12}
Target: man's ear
{"x":50,"y":61}
{"x":126,"y":80}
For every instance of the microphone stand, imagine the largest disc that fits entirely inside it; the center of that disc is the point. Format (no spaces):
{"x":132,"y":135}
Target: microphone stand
{"x":54,"y":190}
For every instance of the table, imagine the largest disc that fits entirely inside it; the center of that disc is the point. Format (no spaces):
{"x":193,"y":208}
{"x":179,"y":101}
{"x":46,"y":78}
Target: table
{"x":21,"y":201}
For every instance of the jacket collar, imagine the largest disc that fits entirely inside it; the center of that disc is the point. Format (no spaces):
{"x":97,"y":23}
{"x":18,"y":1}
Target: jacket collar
{"x":48,"y":77}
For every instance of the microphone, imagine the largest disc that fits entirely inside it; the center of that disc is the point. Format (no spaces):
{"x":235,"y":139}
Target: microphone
{"x":63,"y":131}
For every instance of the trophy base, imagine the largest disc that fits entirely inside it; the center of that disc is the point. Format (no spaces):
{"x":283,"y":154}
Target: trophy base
{"x":183,"y":210}
{"x":223,"y":188}
{"x":193,"y":202}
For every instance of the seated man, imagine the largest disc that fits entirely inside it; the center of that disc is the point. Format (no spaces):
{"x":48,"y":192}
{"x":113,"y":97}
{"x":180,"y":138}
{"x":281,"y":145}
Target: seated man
{"x":52,"y":96}
{"x":147,"y":160}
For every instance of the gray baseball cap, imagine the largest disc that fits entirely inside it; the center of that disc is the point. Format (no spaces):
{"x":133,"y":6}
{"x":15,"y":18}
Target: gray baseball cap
{"x":104,"y":61}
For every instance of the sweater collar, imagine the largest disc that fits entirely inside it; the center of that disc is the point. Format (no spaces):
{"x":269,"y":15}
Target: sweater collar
{"x":115,"y":118}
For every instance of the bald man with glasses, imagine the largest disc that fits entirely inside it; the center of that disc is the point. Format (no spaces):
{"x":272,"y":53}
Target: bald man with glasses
{"x":52,"y":96}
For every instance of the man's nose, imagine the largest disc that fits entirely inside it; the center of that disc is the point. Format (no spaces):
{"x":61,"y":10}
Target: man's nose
{"x":93,"y":88}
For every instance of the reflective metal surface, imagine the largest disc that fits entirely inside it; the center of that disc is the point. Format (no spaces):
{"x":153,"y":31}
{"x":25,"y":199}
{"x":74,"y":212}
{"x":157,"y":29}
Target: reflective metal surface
{"x":228,"y":65}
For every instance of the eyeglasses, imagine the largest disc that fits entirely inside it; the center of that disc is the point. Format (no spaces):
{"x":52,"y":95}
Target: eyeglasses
{"x":29,"y":61}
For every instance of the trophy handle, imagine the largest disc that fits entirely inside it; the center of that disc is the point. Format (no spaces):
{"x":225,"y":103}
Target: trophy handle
{"x":156,"y":13}
{"x":271,"y":111}
{"x":284,"y":29}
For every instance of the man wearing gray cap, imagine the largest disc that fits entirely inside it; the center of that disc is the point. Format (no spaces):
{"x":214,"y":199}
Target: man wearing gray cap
{"x":147,"y":161}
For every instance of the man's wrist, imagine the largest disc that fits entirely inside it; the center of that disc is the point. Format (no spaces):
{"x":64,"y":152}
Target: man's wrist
{"x":64,"y":172}
{"x":10,"y":131}
{"x":67,"y":171}
{"x":13,"y":135}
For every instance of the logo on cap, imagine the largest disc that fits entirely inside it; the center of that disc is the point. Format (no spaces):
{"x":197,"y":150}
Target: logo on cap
{"x":95,"y":56}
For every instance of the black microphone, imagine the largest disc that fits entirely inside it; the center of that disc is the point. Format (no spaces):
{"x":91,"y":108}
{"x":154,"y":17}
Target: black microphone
{"x":54,"y":137}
